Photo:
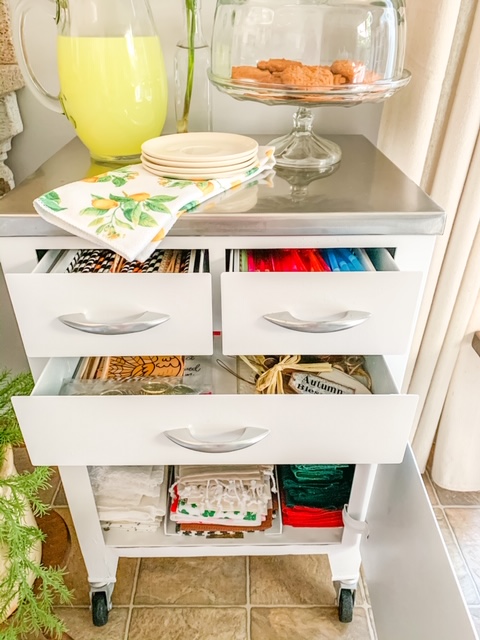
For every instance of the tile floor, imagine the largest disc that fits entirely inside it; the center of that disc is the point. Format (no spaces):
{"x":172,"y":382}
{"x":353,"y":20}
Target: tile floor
{"x":257,"y":598}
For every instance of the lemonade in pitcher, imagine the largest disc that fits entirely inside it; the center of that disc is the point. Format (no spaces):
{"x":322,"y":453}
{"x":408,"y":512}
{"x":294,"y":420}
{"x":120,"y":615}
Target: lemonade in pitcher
{"x":113,"y":84}
{"x":114,"y":99}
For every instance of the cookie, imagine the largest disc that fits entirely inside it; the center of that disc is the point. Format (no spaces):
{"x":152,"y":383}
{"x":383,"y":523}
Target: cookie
{"x":354,"y":72}
{"x":251,"y":73}
{"x":277,"y":65}
{"x":338,"y":79}
{"x":303,"y":76}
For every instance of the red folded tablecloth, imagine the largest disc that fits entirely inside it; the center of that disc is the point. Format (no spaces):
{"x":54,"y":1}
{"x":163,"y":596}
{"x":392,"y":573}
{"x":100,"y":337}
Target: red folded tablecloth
{"x":311,"y":517}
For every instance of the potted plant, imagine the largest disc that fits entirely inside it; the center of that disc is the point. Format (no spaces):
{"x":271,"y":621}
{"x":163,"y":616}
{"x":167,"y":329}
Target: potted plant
{"x":23,"y":609}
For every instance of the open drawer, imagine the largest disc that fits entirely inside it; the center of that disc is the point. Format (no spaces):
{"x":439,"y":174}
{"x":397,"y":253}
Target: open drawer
{"x":271,"y":312}
{"x":90,"y":314}
{"x":223,"y":428}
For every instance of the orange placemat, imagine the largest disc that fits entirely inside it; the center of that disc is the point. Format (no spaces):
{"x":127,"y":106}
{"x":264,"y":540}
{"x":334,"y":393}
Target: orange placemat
{"x":121,"y":367}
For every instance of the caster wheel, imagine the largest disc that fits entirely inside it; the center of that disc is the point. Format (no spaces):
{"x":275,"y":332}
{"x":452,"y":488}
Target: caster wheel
{"x":346,"y":600}
{"x":99,"y":608}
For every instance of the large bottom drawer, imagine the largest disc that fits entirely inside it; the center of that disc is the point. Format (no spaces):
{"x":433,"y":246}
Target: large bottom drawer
{"x":300,"y":429}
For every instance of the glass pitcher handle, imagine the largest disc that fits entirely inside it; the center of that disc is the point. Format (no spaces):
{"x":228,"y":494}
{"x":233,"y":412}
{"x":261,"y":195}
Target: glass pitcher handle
{"x":19,"y":16}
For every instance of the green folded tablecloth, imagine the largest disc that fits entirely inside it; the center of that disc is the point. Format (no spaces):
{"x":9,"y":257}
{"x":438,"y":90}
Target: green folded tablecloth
{"x":314,"y":472}
{"x":321,"y":486}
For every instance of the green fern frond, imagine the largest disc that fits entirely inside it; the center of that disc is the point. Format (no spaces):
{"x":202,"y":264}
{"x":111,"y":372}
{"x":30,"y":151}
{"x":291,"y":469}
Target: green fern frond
{"x":19,"y":385}
{"x":26,"y":486}
{"x":34,"y":613}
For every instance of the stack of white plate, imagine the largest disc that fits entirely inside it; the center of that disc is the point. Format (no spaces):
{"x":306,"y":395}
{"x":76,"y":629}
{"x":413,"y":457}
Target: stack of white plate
{"x":199,"y":156}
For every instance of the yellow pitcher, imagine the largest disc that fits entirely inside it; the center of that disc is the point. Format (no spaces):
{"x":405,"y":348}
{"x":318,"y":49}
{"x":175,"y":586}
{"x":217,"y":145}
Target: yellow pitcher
{"x":113,"y":84}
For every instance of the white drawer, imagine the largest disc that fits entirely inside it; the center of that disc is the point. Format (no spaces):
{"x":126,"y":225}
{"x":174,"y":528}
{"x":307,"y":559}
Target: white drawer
{"x":108,"y":299}
{"x":390,"y":297}
{"x":120,"y":430}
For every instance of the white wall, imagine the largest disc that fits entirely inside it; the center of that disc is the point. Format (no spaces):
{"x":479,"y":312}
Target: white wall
{"x":45,"y":132}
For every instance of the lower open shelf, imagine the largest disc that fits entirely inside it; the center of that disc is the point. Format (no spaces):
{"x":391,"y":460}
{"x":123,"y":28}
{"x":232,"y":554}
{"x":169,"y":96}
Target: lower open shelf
{"x":169,"y":534}
{"x":135,"y":543}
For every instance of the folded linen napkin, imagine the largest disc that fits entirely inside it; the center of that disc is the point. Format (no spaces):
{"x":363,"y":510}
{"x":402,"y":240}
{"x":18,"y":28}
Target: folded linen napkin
{"x":192,"y":473}
{"x":126,"y":481}
{"x":148,"y":510}
{"x":146,"y":527}
{"x":130,"y":210}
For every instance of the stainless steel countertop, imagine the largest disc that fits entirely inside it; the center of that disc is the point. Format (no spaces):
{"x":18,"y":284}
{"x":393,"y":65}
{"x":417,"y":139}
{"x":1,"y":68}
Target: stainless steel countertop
{"x":366,"y":195}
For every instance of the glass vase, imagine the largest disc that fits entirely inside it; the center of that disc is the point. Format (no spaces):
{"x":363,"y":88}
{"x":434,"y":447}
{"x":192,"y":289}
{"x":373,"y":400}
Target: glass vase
{"x":193,"y":108}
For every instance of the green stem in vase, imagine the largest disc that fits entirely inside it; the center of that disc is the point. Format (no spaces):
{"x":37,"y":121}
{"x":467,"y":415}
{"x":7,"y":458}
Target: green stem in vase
{"x":190,"y":7}
{"x":61,"y":9}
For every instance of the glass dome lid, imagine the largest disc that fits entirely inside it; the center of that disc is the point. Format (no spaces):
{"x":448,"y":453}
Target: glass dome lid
{"x":309,"y":53}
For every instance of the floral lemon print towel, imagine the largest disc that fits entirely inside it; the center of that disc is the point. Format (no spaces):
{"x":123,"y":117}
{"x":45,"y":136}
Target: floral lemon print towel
{"x":130,"y":210}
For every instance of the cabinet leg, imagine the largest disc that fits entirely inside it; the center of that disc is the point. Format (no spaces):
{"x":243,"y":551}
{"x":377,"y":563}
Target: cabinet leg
{"x":101,"y":561}
{"x":360,"y":495}
{"x":345,"y":561}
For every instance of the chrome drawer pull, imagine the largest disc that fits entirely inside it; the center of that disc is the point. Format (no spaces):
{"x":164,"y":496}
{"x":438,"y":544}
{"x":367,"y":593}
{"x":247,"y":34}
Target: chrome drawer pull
{"x":338,"y":322}
{"x":185,"y":438}
{"x":133,"y":324}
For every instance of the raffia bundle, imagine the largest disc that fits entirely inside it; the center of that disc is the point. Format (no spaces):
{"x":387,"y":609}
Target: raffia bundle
{"x":271,"y":378}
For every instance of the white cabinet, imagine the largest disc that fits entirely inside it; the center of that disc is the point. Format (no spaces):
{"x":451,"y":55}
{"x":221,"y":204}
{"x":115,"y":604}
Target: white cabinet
{"x":367,"y":204}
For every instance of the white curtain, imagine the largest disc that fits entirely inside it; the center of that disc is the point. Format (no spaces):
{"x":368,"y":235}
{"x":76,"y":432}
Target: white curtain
{"x":430,"y":130}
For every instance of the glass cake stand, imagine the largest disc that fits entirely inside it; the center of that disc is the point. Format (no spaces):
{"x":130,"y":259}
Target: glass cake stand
{"x":302,"y":148}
